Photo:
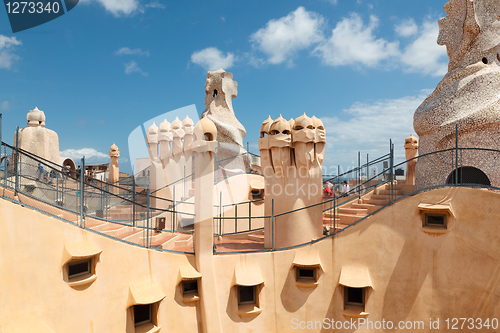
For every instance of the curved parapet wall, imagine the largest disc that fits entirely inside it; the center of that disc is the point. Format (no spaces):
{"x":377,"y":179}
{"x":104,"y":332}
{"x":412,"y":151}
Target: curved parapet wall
{"x":441,"y":272}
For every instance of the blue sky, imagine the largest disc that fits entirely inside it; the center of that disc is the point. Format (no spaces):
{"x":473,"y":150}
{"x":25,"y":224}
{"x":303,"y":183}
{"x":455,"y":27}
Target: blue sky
{"x":108,"y":66}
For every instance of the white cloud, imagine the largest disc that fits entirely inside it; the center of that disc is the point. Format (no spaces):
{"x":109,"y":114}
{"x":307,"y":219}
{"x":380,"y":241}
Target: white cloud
{"x":128,"y":51}
{"x":406,"y":28}
{"x":212,"y":58}
{"x":281,"y":39}
{"x":156,"y":4}
{"x":89,"y":153}
{"x":5,"y":105}
{"x":117,"y":7}
{"x":132,"y":67}
{"x":353,"y":43}
{"x":8,"y":42}
{"x":368,"y":129}
{"x":423,"y":55}
{"x":7,"y":58}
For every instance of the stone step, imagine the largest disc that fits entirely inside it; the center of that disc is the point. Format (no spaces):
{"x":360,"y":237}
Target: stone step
{"x":112,"y":229}
{"x":388,"y":192}
{"x":254,"y":237}
{"x":123,"y":216}
{"x":162,"y":238}
{"x":326,"y":220}
{"x":130,"y":233}
{"x":396,"y":186}
{"x":377,"y":202}
{"x":91,"y":223}
{"x":183,"y":240}
{"x":381,"y":196}
{"x":116,"y":231}
{"x":370,"y":208}
{"x":353,"y":211}
{"x":330,"y":214}
{"x":340,"y":226}
{"x":348,"y":218}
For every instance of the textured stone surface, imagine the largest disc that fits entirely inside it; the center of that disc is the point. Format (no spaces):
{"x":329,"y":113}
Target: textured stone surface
{"x":114,"y":170}
{"x":411,"y":151}
{"x":220,"y":89}
{"x":292,"y":154}
{"x":467,"y":95}
{"x":39,"y":140}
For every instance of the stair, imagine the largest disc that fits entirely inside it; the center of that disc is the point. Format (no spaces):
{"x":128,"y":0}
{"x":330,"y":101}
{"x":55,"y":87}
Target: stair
{"x":257,"y":236}
{"x":368,"y":207}
{"x":159,"y":240}
{"x":353,"y":211}
{"x":357,"y":209}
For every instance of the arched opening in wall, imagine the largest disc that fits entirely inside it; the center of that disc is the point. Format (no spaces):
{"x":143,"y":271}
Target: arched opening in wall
{"x":469,"y":175}
{"x":68,"y":163}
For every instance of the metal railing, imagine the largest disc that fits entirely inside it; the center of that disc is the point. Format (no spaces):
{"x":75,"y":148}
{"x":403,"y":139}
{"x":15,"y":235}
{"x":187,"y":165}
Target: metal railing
{"x":122,"y":212}
{"x":127,"y":212}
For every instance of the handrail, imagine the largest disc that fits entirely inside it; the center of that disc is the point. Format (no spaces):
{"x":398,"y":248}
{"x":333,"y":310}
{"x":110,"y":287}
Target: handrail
{"x":23,"y":170}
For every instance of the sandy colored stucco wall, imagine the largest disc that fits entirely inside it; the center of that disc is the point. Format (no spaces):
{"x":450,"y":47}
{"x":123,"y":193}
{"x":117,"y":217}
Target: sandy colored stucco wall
{"x":415,"y":276}
{"x":31,"y":261}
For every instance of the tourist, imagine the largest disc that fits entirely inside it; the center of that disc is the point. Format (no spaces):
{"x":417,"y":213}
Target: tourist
{"x":328,"y":189}
{"x":46,"y":178}
{"x":40,"y":171}
{"x":346,"y":187}
{"x":78,"y":172}
{"x":91,"y":177}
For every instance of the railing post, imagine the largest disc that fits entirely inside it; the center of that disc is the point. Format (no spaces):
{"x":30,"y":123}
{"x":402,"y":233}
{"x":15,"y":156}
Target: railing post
{"x":367,"y":171}
{"x":220,"y":213}
{"x":172,"y":208}
{"x":16,"y":188}
{"x":359,"y":175}
{"x":106,"y":196}
{"x":461,"y":165}
{"x":174,"y":217}
{"x":57,"y":189}
{"x":453,"y":167}
{"x":391,"y":164}
{"x":235,"y":217}
{"x":249,"y":216}
{"x":334,"y":214}
{"x":456,"y":154}
{"x":133,"y":198}
{"x":272,"y":225}
{"x":147,"y":217}
{"x":6,"y":166}
{"x":0,"y":127}
{"x":82,"y":188}
{"x":331,"y":214}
